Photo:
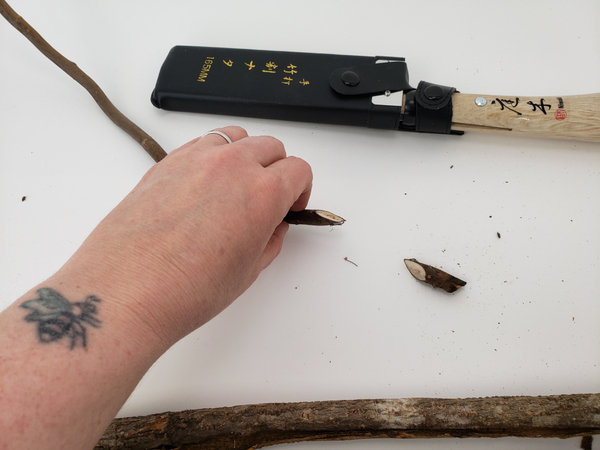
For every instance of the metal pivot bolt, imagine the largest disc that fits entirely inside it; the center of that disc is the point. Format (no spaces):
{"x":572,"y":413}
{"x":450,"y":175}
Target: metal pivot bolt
{"x":480,"y":101}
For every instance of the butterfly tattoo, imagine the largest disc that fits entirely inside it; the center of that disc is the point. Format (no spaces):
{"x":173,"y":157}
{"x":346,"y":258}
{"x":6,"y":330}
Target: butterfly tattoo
{"x":58,"y":318}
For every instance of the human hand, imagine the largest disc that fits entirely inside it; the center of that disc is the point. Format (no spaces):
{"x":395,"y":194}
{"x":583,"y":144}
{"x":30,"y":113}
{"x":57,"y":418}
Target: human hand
{"x":196,"y":231}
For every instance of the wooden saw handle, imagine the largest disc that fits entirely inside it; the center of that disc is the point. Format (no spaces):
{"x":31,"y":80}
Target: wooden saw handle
{"x":570,"y":117}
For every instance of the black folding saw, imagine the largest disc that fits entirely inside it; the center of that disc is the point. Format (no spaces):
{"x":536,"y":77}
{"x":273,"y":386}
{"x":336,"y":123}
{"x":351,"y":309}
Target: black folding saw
{"x":356,"y":90}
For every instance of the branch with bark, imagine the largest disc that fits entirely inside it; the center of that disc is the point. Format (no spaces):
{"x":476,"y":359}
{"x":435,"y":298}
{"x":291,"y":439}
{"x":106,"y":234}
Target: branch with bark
{"x":255,"y":426}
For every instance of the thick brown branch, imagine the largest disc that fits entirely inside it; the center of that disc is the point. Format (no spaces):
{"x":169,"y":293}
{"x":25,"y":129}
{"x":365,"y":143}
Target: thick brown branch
{"x":255,"y":426}
{"x":149,"y":144}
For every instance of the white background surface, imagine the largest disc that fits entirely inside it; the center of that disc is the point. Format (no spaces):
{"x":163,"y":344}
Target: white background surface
{"x":314,"y":326}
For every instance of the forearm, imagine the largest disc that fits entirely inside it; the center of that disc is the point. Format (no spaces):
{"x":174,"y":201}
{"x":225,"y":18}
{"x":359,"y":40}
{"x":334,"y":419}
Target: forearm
{"x":187,"y":241}
{"x":61,"y":385}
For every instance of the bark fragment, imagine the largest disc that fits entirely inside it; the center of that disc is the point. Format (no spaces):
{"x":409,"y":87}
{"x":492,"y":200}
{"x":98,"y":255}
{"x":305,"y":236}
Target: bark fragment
{"x":586,"y":442}
{"x":433,"y":276}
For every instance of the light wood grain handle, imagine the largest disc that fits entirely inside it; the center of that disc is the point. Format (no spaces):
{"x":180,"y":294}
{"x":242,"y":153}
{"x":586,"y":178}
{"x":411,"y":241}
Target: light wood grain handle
{"x":574,"y":117}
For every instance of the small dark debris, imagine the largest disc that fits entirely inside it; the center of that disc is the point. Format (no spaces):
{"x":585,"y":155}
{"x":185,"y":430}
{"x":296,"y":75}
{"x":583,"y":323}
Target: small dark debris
{"x":498,"y":234}
{"x":24,"y":198}
{"x":586,"y":442}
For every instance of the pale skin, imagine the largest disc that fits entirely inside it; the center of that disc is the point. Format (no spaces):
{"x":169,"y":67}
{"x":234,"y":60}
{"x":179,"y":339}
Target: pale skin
{"x":191,"y":237}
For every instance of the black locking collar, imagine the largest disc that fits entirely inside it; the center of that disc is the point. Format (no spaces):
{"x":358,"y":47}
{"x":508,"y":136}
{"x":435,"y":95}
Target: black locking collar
{"x":429,"y":109}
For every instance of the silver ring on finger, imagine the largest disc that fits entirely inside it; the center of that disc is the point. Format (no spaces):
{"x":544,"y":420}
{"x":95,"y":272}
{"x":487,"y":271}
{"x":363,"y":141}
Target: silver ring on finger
{"x":220,"y":133}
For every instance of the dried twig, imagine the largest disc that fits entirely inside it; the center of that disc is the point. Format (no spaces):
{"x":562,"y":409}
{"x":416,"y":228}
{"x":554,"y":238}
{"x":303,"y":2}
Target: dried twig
{"x":255,"y":426}
{"x":149,"y":144}
{"x":433,"y":276}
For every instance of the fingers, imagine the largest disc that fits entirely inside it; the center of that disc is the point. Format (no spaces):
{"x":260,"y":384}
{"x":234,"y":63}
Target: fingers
{"x":298,"y":175}
{"x":266,"y":150}
{"x":270,"y":153}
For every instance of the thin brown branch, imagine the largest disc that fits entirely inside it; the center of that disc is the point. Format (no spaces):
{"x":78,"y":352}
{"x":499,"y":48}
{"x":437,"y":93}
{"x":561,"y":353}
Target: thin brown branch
{"x":255,"y":426}
{"x":149,"y":144}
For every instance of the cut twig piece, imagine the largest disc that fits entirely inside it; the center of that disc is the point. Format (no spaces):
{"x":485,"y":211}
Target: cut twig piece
{"x":118,"y":118}
{"x":433,"y":276}
{"x":255,"y":426}
{"x":313,"y":217}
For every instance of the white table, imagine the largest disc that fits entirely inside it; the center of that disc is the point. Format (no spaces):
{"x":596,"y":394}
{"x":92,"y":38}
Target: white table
{"x":314,"y":326}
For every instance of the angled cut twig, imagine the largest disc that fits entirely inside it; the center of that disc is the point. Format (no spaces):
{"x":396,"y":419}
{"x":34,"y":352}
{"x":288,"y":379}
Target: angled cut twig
{"x":433,"y":276}
{"x":313,"y":217}
{"x":255,"y":426}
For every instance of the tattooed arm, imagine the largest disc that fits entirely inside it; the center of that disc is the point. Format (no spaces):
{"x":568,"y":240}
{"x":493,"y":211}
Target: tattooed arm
{"x":189,"y":239}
